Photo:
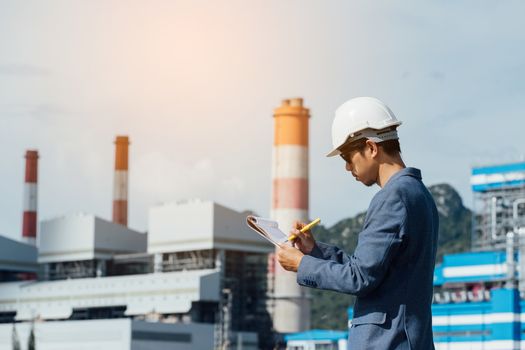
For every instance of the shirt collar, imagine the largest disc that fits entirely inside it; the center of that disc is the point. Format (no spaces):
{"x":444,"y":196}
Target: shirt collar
{"x":414,"y":172}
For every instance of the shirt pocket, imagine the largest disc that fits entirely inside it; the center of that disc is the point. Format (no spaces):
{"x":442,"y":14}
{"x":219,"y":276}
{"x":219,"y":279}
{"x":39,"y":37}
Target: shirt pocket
{"x":376,"y":317}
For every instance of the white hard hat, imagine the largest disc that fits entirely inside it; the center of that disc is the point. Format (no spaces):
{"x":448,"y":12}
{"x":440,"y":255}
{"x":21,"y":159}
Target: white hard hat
{"x":362,"y":117}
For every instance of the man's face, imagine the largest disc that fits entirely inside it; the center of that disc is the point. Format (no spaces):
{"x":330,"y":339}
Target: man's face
{"x":362,"y":164}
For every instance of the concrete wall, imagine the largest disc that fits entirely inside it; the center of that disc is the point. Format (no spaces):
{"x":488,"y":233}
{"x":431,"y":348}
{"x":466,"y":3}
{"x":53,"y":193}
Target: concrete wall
{"x":67,"y":238}
{"x":116,"y":239}
{"x":198,"y":225}
{"x":85,"y":237}
{"x":116,"y":334}
{"x":67,"y":335}
{"x":176,"y":227}
{"x":232,"y":233}
{"x":163,"y":336}
{"x":17,"y":256}
{"x":170,"y":292}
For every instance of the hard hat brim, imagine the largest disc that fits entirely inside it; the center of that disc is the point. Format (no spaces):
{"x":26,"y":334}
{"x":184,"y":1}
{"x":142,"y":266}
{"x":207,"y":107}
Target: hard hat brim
{"x":334,"y":152}
{"x":374,"y":135}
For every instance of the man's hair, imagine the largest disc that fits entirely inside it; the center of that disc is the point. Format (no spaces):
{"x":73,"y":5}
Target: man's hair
{"x":390,"y":147}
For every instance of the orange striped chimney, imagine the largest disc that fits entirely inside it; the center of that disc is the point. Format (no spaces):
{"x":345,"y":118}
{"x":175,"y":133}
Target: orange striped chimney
{"x":291,"y":311}
{"x":29,"y":221}
{"x":120,"y":186}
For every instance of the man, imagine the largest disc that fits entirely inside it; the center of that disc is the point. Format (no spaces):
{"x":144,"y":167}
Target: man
{"x":391,"y":270}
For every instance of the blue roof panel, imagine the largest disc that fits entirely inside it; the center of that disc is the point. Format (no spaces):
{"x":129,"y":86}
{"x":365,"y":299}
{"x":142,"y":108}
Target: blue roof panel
{"x":474,"y":258}
{"x":317,"y":334}
{"x":497,"y":169}
{"x":470,"y":308}
{"x":496,"y":185}
{"x":438,"y":275}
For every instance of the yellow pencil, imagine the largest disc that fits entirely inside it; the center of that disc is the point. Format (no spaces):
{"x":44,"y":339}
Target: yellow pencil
{"x":306,"y":228}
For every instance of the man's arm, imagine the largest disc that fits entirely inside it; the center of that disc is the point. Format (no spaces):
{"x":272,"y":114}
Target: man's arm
{"x":329,"y":252}
{"x":361,"y":272}
{"x":306,"y":243}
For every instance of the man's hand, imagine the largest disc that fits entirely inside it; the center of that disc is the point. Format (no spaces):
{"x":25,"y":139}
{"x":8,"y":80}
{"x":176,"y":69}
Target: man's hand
{"x":305,"y":241}
{"x":289,"y":257}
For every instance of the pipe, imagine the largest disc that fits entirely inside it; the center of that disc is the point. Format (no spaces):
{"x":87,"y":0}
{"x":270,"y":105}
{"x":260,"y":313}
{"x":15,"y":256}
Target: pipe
{"x":515,"y":207}
{"x":493,"y":218}
{"x":511,"y":264}
{"x":29,"y":223}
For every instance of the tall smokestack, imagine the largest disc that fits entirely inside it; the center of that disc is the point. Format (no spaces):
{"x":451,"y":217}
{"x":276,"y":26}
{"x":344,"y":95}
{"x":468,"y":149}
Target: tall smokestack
{"x":30,"y":197}
{"x":120,"y":189}
{"x":290,"y":203}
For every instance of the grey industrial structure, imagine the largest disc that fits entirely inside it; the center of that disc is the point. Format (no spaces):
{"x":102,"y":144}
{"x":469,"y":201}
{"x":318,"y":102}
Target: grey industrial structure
{"x":196,"y":280}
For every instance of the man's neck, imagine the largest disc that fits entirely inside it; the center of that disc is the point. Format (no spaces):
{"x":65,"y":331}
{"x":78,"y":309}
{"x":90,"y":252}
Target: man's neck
{"x":389,"y":168}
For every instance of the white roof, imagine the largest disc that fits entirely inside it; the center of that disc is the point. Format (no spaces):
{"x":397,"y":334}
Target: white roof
{"x":198,"y":225}
{"x":86,"y":237}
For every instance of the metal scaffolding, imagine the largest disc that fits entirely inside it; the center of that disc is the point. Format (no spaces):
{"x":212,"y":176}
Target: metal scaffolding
{"x":499,"y":204}
{"x":243,"y":305}
{"x":499,"y":217}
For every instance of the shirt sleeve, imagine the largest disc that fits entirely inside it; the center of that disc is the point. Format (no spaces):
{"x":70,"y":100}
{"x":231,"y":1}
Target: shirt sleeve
{"x":359,"y":273}
{"x":329,"y":252}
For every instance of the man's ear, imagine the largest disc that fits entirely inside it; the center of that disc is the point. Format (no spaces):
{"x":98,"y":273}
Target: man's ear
{"x":372,"y":147}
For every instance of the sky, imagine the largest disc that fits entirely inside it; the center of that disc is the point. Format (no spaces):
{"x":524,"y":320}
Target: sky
{"x":194,"y":85}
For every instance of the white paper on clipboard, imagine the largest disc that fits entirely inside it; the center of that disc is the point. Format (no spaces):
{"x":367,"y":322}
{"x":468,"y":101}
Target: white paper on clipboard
{"x":267,"y":228}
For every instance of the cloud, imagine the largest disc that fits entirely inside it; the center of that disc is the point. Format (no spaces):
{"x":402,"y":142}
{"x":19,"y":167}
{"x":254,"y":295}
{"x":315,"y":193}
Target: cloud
{"x":194,"y":87}
{"x":158,"y":177}
{"x":23,"y":70}
{"x":438,"y":75}
{"x":234,"y":184}
{"x":38,"y":111}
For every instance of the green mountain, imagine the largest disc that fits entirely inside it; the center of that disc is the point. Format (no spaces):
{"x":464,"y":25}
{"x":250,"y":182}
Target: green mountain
{"x":329,"y":308}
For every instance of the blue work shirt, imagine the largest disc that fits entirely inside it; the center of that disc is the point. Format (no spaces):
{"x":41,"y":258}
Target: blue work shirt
{"x":391,"y":270}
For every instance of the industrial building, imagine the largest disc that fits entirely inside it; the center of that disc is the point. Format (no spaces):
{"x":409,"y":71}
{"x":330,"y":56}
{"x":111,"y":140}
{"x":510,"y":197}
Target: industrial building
{"x":117,"y":334}
{"x":479,"y":299}
{"x":197,"y":279}
{"x":85,"y":274}
{"x":198,"y":271}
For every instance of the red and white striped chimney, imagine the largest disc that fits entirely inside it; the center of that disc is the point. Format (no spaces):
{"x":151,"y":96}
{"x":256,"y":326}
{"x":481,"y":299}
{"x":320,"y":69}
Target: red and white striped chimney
{"x":291,"y":311}
{"x":120,"y":186}
{"x":29,"y":222}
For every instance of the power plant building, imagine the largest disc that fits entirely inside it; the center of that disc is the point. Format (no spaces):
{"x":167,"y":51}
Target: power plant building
{"x":212,"y":275}
{"x":199,"y":278}
{"x":116,"y":334}
{"x":83,"y":245}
